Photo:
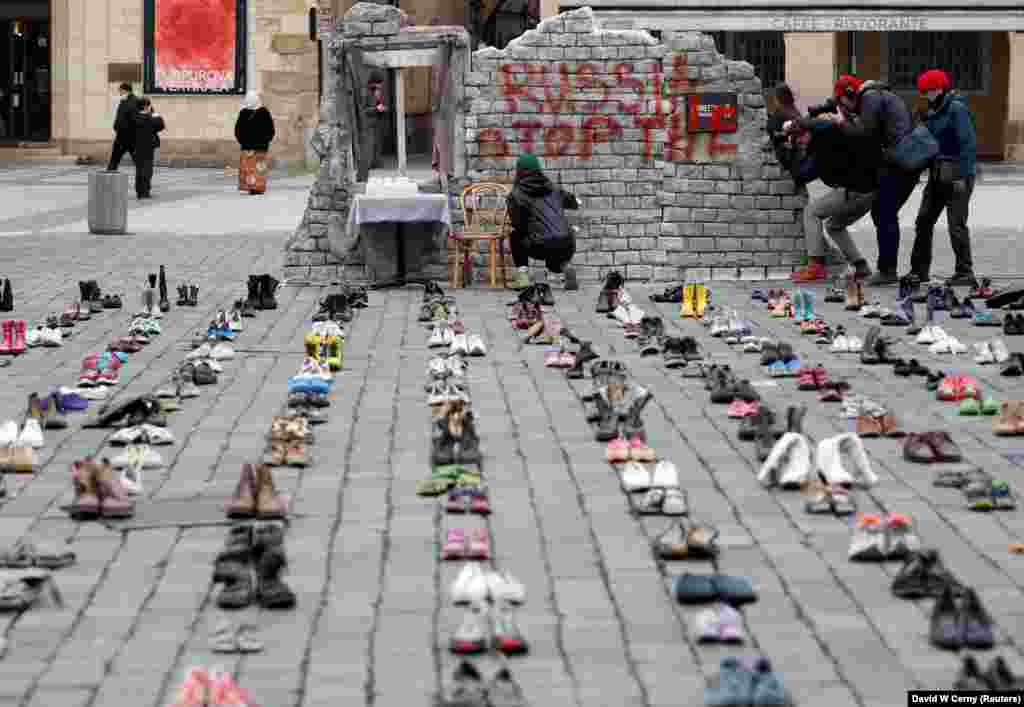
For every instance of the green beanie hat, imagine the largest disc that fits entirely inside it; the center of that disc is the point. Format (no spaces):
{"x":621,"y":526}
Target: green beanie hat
{"x":528,"y":161}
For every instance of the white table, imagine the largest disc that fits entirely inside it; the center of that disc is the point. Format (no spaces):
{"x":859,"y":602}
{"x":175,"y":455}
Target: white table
{"x":399,"y":209}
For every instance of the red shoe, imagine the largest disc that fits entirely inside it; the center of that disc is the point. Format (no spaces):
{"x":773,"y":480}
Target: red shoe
{"x":813,"y":272}
{"x":20,"y":328}
{"x":8,"y":341}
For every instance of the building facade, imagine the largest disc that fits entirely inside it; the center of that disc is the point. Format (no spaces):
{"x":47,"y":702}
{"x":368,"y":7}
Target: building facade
{"x":980,"y":45}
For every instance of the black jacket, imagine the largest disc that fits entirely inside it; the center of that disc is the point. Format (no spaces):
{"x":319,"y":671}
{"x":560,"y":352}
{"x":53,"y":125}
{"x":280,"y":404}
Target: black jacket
{"x":537,"y":209}
{"x":882,"y":116}
{"x":147,"y":126}
{"x":254,"y":129}
{"x":841,"y":160}
{"x":124,"y":120}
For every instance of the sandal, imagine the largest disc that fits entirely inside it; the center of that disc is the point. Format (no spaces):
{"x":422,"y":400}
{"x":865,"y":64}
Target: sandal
{"x":227,"y":639}
{"x":687,"y":543}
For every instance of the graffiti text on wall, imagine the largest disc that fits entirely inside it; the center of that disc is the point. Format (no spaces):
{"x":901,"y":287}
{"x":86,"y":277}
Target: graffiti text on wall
{"x":612,"y":102}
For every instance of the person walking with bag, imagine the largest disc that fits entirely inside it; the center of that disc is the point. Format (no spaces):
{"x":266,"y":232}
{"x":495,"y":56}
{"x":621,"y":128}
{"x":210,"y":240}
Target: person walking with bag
{"x":124,"y":127}
{"x":254,"y":130}
{"x":147,"y":126}
{"x":950,"y":180}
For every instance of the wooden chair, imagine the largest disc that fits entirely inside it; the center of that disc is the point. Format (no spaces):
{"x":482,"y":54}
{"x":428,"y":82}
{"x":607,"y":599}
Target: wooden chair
{"x":484,"y":207}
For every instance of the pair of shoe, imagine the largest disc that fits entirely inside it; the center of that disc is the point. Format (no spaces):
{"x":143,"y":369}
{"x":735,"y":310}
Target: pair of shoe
{"x":931,"y":447}
{"x":325,"y":347}
{"x":997,"y":678}
{"x":686,"y":541}
{"x":1010,"y":421}
{"x":468,"y":689}
{"x":485,"y":627}
{"x":877,"y":538}
{"x":631,"y":447}
{"x":455,"y":439}
{"x":461,"y":545}
{"x":91,"y":297}
{"x":188,"y":296}
{"x":48,"y":337}
{"x":679,"y":351}
{"x":334,"y":308}
{"x":288,"y":437}
{"x":255,"y":495}
{"x":618,"y":410}
{"x":840,"y":460}
{"x":696,"y":298}
{"x":652,"y":336}
{"x":16,"y":446}
{"x":179,"y":387}
{"x":134,"y":411}
{"x":98,"y":493}
{"x":101,"y":369}
{"x":608,"y":297}
{"x":988,"y":494}
{"x":262,"y":289}
{"x":720,"y":624}
{"x":15,"y":332}
{"x":250,"y":567}
{"x":959,"y":620}
{"x":475,"y":585}
{"x":6,"y":297}
{"x":202,"y":688}
{"x":142,"y":434}
{"x":46,"y":412}
{"x":740,"y":684}
{"x":803,"y":306}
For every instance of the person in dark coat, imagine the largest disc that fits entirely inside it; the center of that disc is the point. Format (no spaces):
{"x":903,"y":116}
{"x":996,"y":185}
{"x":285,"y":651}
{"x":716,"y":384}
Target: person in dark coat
{"x":880,"y":116}
{"x":124,"y":127}
{"x":147,"y":126}
{"x":540,"y":229}
{"x":254,"y":130}
{"x":375,"y":112}
{"x":950,"y":181}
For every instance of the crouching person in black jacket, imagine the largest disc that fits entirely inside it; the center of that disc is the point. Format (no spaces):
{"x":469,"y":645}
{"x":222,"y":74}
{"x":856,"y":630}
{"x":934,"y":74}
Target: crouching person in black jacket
{"x":847,"y":166}
{"x":540,"y":229}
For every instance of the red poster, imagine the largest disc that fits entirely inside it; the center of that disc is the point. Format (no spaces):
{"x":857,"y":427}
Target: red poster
{"x":194,"y":46}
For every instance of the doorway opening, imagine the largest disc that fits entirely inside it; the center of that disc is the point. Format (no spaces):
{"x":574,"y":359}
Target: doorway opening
{"x":25,"y":97}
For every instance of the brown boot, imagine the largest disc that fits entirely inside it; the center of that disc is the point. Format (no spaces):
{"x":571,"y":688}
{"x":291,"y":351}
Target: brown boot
{"x":269,"y":504}
{"x":114,"y":501}
{"x":87,"y":502}
{"x":243,"y":503}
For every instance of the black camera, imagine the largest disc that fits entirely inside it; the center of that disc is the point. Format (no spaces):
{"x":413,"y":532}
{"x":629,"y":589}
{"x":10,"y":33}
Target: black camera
{"x":829,"y":106}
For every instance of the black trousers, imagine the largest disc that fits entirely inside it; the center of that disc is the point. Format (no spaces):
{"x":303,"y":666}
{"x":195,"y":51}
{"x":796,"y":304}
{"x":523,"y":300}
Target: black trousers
{"x":555,"y":254}
{"x":937,"y":197}
{"x":894,"y":188}
{"x":121,"y":146}
{"x":143,"y":174}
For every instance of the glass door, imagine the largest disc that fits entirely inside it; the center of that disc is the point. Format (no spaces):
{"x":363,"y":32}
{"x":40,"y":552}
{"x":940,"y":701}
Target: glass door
{"x":25,"y":81}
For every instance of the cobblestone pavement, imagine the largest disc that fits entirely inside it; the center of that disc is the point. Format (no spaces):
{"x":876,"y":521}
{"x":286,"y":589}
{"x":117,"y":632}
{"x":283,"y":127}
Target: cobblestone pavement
{"x":372,"y":624}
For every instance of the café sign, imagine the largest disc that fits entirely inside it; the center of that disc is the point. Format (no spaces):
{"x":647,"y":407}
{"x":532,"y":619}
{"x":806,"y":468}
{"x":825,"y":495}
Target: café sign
{"x":849,"y":23}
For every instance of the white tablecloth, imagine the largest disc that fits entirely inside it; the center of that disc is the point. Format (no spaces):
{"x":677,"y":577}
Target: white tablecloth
{"x":430,"y":208}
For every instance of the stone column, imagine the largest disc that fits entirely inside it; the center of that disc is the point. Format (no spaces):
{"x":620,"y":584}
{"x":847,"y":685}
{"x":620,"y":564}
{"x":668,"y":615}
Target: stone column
{"x":810,"y":65}
{"x":1015,"y":99}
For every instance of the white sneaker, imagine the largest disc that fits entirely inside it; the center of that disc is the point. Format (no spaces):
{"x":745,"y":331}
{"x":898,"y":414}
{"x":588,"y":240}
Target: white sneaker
{"x":956,"y":347}
{"x":503,"y":587}
{"x":459,"y":345}
{"x":830,"y":461}
{"x":34,"y":338}
{"x":222,"y":352}
{"x":436,"y":338}
{"x":706,"y":625}
{"x":8,"y":433}
{"x":983,"y":353}
{"x":940,"y":346}
{"x":51,"y":338}
{"x":448,"y":336}
{"x":31,"y":434}
{"x":840,"y":344}
{"x":855,"y":344}
{"x":665,"y":476}
{"x":471,"y":586}
{"x":127,"y":435}
{"x":1000,"y":353}
{"x":926,"y":335}
{"x":476,"y":345}
{"x":140,"y":455}
{"x":789,"y":463}
{"x":131,"y":480}
{"x":157,"y":435}
{"x":635,"y":477}
{"x":91,"y":393}
{"x":203,"y":351}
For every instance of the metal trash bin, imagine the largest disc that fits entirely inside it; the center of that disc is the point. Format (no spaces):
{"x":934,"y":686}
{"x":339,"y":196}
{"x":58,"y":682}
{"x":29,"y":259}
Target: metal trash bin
{"x":108,"y":203}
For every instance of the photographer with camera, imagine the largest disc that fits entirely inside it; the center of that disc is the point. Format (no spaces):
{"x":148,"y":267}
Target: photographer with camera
{"x":843,"y":164}
{"x":880,"y":117}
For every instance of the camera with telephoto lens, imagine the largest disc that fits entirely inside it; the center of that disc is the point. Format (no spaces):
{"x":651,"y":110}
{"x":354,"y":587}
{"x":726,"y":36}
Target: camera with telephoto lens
{"x":829,"y":106}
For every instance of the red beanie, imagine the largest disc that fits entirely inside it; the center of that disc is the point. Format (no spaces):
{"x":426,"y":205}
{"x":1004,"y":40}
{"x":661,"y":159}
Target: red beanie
{"x":847,"y":83}
{"x":933,"y":80}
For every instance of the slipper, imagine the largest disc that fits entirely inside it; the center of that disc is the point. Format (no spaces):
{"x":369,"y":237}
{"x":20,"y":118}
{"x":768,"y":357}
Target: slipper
{"x":227,"y":639}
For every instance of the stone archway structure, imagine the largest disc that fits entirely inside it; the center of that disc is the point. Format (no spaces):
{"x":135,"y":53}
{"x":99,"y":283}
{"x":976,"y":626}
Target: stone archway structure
{"x":663,"y":142}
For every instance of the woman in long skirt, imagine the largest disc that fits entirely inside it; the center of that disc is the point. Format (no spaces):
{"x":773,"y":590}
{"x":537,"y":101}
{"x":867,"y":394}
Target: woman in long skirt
{"x":254,"y":131}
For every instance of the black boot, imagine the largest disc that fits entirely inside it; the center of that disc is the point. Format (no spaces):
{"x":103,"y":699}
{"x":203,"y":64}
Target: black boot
{"x":7,"y":298}
{"x":193,"y":296}
{"x":165,"y":305}
{"x":469,"y":444}
{"x":583,"y":357}
{"x":268,"y":287}
{"x":608,"y":420}
{"x":252,"y":301}
{"x":443,"y":451}
{"x":84,"y":311}
{"x":95,"y":297}
{"x":182,"y":295}
{"x":152,"y":281}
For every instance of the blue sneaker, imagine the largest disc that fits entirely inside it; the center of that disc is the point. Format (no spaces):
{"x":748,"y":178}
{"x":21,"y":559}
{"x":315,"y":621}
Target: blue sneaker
{"x":793,"y":366}
{"x":777,"y":369}
{"x":768,"y":689}
{"x":735,"y":686}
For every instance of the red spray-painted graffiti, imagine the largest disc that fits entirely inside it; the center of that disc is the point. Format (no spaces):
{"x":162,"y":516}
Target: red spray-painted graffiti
{"x":612,"y":100}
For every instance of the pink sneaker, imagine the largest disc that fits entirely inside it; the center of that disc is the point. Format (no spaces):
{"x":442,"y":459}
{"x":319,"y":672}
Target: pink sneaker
{"x":194,"y":689}
{"x":89,"y":378}
{"x":456,"y":545}
{"x":618,"y":451}
{"x":225,"y":692}
{"x":567,"y":359}
{"x":107,"y":377}
{"x":479,"y":545}
{"x":552,"y":359}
